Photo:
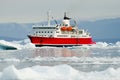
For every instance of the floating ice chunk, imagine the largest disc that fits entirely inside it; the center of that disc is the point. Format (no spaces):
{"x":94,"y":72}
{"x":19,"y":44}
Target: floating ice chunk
{"x":10,"y":73}
{"x":29,"y":74}
{"x":23,"y":44}
{"x":4,"y":45}
{"x":100,"y":45}
{"x":11,"y":60}
{"x":59,"y":72}
{"x":118,"y":43}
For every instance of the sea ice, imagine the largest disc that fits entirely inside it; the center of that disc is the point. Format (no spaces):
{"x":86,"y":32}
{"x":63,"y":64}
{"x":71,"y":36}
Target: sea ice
{"x":59,"y":72}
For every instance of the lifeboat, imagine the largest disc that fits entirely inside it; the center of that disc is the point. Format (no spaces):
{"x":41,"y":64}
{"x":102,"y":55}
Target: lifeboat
{"x":69,"y":28}
{"x":64,"y":28}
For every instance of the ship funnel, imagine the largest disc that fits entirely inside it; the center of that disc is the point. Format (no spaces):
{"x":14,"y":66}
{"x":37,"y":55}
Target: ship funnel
{"x":66,"y":20}
{"x":65,"y":17}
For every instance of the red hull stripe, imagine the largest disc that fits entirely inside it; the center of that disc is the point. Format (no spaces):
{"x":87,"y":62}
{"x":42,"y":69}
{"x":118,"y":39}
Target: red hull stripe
{"x":60,"y":41}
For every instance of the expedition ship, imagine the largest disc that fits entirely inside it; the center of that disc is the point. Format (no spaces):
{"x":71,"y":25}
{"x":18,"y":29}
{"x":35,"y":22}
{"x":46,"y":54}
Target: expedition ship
{"x":59,"y":35}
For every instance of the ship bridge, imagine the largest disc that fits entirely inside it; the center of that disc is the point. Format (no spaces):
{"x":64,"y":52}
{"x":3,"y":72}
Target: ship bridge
{"x":44,"y":30}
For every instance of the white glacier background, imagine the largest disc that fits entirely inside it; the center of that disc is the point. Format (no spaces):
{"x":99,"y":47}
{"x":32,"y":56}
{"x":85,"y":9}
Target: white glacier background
{"x":100,"y":61}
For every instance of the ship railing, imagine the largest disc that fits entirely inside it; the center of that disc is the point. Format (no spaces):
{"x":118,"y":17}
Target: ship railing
{"x":44,"y":26}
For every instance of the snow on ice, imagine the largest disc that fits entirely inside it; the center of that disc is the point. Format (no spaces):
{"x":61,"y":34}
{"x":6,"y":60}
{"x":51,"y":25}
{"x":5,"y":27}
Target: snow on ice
{"x":59,"y":72}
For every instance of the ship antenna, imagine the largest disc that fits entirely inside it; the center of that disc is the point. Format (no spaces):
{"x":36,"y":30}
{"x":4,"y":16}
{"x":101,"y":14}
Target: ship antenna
{"x":65,"y":17}
{"x":65,"y":14}
{"x":48,"y":15}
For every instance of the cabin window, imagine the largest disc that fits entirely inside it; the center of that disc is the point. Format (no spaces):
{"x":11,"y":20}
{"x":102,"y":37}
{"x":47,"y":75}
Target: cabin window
{"x":80,"y":32}
{"x":65,"y":24}
{"x":56,"y":28}
{"x":62,"y":36}
{"x":57,"y":31}
{"x":73,"y":36}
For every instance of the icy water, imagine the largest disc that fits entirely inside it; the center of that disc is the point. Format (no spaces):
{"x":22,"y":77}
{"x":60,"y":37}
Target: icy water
{"x":96,"y":62}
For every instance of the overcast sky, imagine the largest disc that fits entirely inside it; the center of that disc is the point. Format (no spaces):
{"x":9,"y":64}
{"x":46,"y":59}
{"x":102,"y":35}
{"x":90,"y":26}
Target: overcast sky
{"x":23,"y":11}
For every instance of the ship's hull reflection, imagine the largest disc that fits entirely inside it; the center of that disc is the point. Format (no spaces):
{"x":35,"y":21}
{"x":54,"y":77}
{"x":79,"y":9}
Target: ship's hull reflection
{"x":60,"y":52}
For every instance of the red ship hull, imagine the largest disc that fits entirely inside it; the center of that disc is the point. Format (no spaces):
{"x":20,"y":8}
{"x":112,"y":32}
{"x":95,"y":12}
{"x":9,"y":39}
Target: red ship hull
{"x":52,"y":41}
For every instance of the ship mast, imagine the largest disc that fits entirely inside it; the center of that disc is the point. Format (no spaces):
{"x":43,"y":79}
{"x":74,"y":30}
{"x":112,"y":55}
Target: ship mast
{"x":48,"y":17}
